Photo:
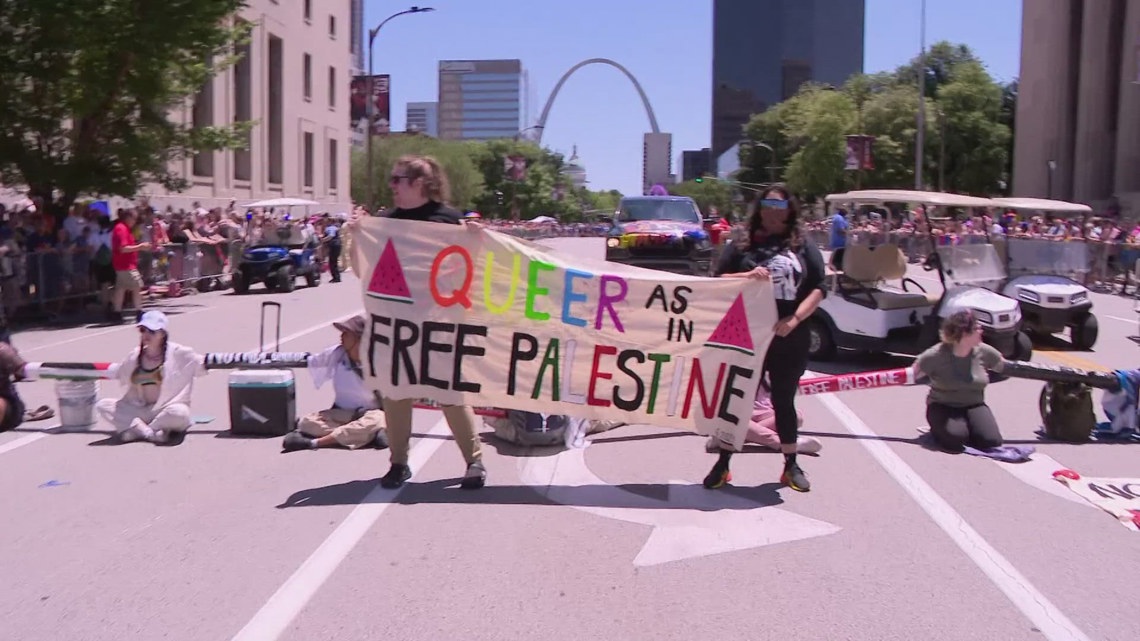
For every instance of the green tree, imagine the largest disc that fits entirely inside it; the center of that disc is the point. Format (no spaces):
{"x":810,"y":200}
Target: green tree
{"x":977,"y":143}
{"x":455,"y":157}
{"x":940,"y":61}
{"x":890,"y":117}
{"x":87,"y":88}
{"x":531,"y":197}
{"x":1009,"y":119}
{"x":818,"y":127}
{"x":707,"y":194}
{"x":758,"y":165}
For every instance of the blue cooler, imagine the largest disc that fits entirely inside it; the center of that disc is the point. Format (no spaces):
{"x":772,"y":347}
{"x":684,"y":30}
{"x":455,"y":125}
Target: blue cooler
{"x":262,"y":402}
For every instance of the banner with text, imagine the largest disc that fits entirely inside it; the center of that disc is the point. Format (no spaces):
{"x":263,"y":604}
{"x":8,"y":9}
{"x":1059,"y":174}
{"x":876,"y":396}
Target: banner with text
{"x":1118,"y":497}
{"x":468,"y":316}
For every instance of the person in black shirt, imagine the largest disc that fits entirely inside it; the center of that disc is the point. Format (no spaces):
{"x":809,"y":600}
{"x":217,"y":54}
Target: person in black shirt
{"x":775,"y":251}
{"x":420,"y":192}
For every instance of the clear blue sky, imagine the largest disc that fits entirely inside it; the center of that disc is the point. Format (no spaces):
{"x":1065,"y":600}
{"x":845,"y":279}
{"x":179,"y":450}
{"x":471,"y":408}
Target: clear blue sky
{"x":666,"y":44}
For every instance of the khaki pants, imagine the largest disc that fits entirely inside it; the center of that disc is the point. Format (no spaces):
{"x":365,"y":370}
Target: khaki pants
{"x":460,"y":419}
{"x":120,"y":413}
{"x":127,"y":282}
{"x":342,"y":425}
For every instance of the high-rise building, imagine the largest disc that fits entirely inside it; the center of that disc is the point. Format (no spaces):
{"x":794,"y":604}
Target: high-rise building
{"x":695,"y":163}
{"x":293,"y":82}
{"x":656,"y":161}
{"x":423,"y":117}
{"x":481,"y":99}
{"x":764,"y":50}
{"x":1077,"y":134}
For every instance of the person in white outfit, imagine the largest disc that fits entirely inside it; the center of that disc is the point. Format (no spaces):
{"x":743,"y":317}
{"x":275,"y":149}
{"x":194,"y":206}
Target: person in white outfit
{"x":159,"y":376}
{"x":355,"y":420}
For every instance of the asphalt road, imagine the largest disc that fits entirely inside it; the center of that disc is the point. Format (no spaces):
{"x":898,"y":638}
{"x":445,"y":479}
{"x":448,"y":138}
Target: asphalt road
{"x":221,"y":538}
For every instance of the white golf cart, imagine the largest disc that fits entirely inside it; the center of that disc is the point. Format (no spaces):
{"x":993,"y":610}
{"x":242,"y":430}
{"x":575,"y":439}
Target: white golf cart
{"x":1041,"y":277}
{"x":863,"y":311}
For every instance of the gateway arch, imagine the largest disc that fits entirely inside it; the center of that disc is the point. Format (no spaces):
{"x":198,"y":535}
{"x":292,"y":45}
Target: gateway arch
{"x":657,"y":147}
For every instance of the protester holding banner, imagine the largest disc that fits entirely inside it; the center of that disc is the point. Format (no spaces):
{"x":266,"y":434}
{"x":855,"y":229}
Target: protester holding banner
{"x":355,"y":420}
{"x":159,"y":376}
{"x":958,"y":370}
{"x":775,"y":251}
{"x":420,"y":192}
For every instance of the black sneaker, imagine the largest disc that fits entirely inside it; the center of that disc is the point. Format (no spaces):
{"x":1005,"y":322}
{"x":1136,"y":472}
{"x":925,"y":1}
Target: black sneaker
{"x":795,"y":478}
{"x":396,"y":476}
{"x":475,"y":478}
{"x":380,"y":441}
{"x":295,"y":441}
{"x":718,"y":476}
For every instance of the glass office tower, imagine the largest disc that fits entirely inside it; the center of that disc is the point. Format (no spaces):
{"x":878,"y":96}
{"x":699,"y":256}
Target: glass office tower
{"x":764,"y":50}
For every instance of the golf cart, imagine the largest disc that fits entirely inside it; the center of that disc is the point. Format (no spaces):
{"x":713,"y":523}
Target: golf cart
{"x":1041,"y":272}
{"x":278,"y":262}
{"x":863,"y":311}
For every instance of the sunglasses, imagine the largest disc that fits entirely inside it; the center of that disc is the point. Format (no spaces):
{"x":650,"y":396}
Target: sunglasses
{"x":773,"y":203}
{"x":396,"y":178}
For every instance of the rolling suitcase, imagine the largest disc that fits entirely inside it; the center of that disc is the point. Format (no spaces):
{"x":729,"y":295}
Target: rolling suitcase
{"x":263,"y":402}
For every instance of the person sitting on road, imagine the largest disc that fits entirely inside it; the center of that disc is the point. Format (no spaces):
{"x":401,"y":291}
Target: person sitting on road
{"x":159,"y":375}
{"x":354,"y":420}
{"x":762,"y":427}
{"x":958,"y":371}
{"x":11,"y":370}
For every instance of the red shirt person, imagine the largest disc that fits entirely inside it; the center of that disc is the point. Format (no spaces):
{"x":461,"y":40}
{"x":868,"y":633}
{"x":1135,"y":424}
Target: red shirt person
{"x":125,"y":261}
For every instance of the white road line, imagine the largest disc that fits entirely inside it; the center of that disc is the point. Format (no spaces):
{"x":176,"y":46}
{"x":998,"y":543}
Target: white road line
{"x":1052,"y":623}
{"x":1130,"y":321}
{"x":89,"y":334}
{"x":21,"y":442}
{"x":278,"y":613}
{"x":32,"y":438}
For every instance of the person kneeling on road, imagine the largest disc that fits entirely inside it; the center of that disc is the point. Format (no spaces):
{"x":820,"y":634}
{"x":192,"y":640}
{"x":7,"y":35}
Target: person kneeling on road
{"x":354,"y":420}
{"x":11,"y":370}
{"x":159,"y":375}
{"x":958,"y":370}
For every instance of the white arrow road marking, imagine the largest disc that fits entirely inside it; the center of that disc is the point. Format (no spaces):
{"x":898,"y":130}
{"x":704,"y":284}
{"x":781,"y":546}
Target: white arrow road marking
{"x":723,"y":523}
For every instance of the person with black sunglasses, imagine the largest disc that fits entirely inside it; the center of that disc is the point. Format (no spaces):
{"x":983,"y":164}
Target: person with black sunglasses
{"x":775,"y":251}
{"x":420,"y":192}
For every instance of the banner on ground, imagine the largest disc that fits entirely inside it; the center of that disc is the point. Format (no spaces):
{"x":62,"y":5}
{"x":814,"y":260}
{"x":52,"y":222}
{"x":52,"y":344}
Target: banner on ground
{"x":468,"y":316}
{"x":1118,"y":497}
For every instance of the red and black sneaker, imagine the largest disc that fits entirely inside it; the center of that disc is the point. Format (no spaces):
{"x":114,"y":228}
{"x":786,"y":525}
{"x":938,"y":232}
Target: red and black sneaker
{"x":718,"y":476}
{"x":795,"y":478}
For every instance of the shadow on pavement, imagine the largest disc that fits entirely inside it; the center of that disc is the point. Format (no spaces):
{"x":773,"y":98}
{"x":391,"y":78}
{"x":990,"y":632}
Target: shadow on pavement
{"x":627,"y":496}
{"x":92,"y":318}
{"x":847,"y":362}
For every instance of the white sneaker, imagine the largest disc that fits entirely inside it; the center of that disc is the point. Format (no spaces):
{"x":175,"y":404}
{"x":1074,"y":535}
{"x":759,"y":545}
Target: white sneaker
{"x":808,"y":445}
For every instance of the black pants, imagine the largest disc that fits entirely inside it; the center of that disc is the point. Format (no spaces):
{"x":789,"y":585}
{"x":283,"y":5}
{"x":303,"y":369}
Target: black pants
{"x":785,"y":363}
{"x":14,"y":416}
{"x":956,"y":427}
{"x":334,"y":259}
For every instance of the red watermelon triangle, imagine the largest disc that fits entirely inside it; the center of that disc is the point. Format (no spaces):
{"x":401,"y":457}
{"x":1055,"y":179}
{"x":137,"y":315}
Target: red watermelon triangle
{"x":733,"y":332}
{"x":388,"y":281}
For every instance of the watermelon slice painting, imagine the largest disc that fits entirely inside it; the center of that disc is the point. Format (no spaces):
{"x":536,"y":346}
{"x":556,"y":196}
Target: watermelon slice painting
{"x":388,"y":281}
{"x":732,"y":332}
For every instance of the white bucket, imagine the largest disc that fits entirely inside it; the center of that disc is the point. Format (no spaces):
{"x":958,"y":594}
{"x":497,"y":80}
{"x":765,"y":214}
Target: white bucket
{"x":76,"y":402}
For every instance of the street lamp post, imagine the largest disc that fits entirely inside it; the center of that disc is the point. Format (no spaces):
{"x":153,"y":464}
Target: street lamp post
{"x":372,"y":99}
{"x":920,"y":134}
